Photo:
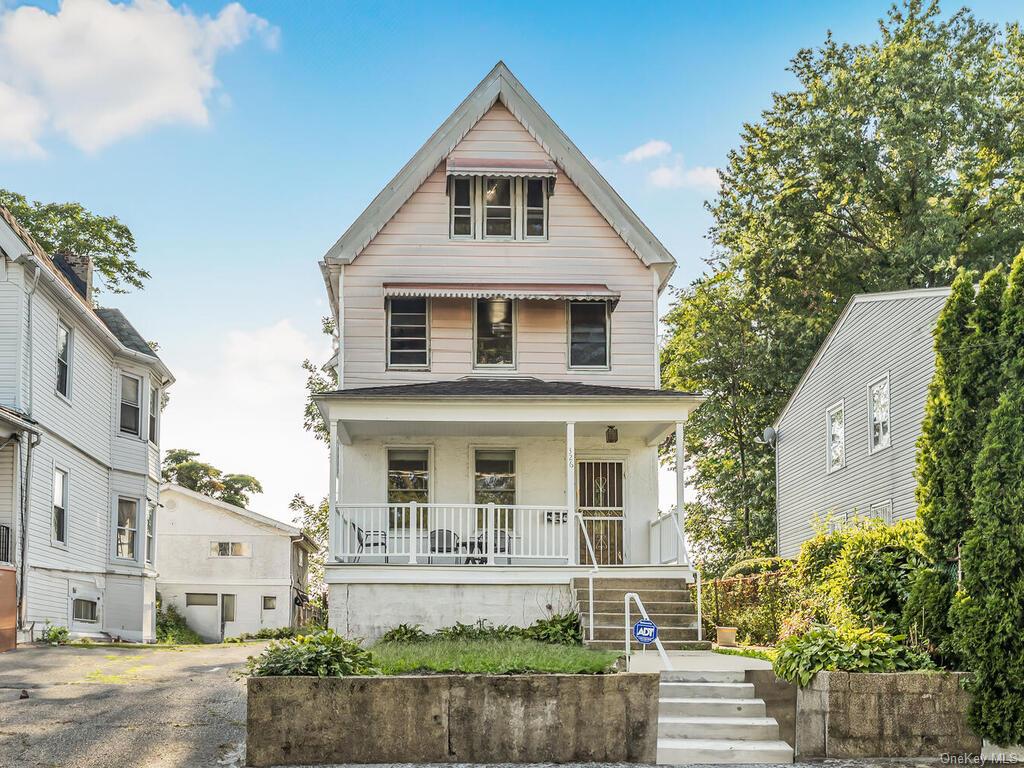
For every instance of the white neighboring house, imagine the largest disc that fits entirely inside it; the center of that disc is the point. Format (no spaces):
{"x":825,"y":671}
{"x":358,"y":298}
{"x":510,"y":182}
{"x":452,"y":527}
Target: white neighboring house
{"x":80,"y":393}
{"x":497,"y":425}
{"x":227,"y":569}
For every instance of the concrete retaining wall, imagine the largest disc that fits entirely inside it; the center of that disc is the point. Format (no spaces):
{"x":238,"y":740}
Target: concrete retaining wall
{"x":453,"y":719}
{"x":779,"y":697}
{"x":907,"y":714}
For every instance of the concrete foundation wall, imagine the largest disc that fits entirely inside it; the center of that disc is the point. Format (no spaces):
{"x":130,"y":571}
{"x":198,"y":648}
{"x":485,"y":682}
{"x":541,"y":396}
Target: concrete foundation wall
{"x":779,"y":697}
{"x":453,"y":719}
{"x":907,"y":714}
{"x":366,"y":611}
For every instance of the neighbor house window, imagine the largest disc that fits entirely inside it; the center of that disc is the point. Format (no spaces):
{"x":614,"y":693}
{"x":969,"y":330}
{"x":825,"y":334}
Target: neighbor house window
{"x":495,"y":333}
{"x":302,"y":558}
{"x":200,"y":598}
{"x":878,"y":406}
{"x":497,"y":207}
{"x":230,"y":549}
{"x":495,"y":483}
{"x":154,"y":414}
{"x":462,"y":207}
{"x":408,"y":480}
{"x":150,"y":531}
{"x":131,"y":392}
{"x":60,"y":506}
{"x":269,"y":602}
{"x":535,"y":201}
{"x":588,"y":334}
{"x":408,"y":332}
{"x":86,"y":611}
{"x":127,"y":528}
{"x":63,"y":359}
{"x":881,"y":510}
{"x":836,"y":426}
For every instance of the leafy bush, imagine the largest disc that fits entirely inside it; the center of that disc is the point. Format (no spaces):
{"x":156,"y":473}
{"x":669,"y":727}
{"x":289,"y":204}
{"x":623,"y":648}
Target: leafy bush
{"x":54,"y":634}
{"x":404,"y":633}
{"x":560,"y":629}
{"x":272,"y":633}
{"x":481,"y":630}
{"x":756,"y":605}
{"x":851,"y":649}
{"x":320,"y":654}
{"x":172,"y":629}
{"x":755,"y":565}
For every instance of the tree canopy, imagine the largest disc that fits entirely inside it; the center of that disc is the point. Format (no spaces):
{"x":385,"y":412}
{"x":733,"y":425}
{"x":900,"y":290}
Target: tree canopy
{"x":71,"y":228}
{"x":183,"y":467}
{"x":890,"y":165}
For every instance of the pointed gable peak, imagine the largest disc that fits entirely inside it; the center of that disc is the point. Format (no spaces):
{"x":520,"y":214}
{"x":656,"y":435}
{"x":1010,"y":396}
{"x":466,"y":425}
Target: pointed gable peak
{"x":501,"y":85}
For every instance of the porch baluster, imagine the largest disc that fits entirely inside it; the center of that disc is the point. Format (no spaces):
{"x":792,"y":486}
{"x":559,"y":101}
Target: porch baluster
{"x":490,"y":531}
{"x":413,"y":532}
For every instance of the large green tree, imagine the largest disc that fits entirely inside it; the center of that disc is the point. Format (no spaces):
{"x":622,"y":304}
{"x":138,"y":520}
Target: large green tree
{"x":890,"y":165}
{"x":183,"y":467}
{"x":71,"y":228}
{"x":989,"y":611}
{"x":313,"y":519}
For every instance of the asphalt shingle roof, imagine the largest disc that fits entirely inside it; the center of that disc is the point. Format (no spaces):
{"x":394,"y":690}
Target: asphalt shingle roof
{"x":124,"y":331}
{"x":512,"y":387}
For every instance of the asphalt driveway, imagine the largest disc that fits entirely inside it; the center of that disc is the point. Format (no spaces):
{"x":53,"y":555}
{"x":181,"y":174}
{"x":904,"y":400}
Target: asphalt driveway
{"x":133,"y":707}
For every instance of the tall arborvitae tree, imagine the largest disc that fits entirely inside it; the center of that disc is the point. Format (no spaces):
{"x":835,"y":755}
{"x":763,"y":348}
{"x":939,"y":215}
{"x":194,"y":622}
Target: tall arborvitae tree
{"x":989,"y":612}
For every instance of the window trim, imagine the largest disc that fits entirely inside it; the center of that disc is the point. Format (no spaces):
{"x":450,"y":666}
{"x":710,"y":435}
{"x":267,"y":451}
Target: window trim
{"x":263,"y":603}
{"x":388,"y":365}
{"x":474,"y":449}
{"x":515,"y":341}
{"x":149,"y":534}
{"x":388,"y":447}
{"x":153,"y":415}
{"x":75,"y":619}
{"x":472,"y":208}
{"x":66,"y":396}
{"x":545,"y":194}
{"x":217,"y":542}
{"x":118,"y":498}
{"x":607,"y":337}
{"x":122,"y":375}
{"x":66,"y":500}
{"x":839,"y":405}
{"x":512,"y":206}
{"x":872,"y":448}
{"x":214,"y":604}
{"x":885,"y":504}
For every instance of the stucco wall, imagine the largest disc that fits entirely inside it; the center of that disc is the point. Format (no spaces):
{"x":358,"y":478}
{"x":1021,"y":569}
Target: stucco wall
{"x":452,"y":719}
{"x":366,"y":611}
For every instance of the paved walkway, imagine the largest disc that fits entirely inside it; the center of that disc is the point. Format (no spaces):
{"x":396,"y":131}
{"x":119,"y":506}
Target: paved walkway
{"x":650,"y":661}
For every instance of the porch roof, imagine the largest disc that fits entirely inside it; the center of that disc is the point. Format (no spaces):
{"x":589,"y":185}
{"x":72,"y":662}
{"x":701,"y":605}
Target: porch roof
{"x":12,"y":421}
{"x":525,"y":387}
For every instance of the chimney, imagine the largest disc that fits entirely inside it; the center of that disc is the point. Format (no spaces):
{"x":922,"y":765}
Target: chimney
{"x":81,"y":268}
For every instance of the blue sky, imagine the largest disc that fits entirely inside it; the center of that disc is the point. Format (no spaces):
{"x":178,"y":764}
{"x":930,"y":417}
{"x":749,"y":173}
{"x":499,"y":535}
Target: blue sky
{"x":236,"y":176}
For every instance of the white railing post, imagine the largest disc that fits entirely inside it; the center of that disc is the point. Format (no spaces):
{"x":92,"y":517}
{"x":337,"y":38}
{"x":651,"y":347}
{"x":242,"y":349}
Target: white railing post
{"x":643,"y":612}
{"x":700,"y":619}
{"x":414,"y":533}
{"x":490,"y":533}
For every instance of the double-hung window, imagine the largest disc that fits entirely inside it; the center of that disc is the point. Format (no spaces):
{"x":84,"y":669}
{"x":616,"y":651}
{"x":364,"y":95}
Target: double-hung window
{"x":495,"y":483}
{"x":588,"y":334}
{"x":535,"y":203}
{"x":878,"y":408}
{"x":63,"y":359}
{"x":408,"y":333}
{"x":150,"y":532}
{"x":131,"y":404}
{"x":497,"y":207}
{"x":462,"y":189}
{"x":495,"y":333}
{"x":154,"y":414}
{"x":127,"y":528}
{"x":835,"y":425}
{"x":60,"y":506}
{"x":408,"y":480}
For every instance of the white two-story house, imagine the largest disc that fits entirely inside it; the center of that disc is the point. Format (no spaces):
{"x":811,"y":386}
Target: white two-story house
{"x":497,"y":424}
{"x":80,"y":394}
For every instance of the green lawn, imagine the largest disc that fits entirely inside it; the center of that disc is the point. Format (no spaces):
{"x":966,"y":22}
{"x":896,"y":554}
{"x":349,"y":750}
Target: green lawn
{"x":492,"y":657}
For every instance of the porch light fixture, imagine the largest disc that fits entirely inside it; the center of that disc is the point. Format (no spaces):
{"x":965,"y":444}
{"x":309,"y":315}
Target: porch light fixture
{"x":611,"y":435}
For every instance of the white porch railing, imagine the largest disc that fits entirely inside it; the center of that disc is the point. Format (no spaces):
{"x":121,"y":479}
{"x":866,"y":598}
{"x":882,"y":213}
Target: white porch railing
{"x":667,"y":544}
{"x":453,"y":534}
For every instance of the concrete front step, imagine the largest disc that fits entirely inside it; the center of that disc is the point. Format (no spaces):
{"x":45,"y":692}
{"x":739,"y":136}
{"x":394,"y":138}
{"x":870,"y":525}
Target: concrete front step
{"x":619,"y":619}
{"x":646,"y":595}
{"x":702,"y":690}
{"x":703,"y":676}
{"x":669,"y":645}
{"x":630,"y":584}
{"x":651,"y":606}
{"x":710,"y":707}
{"x":619,"y":633}
{"x":732,"y":728}
{"x":727,"y":751}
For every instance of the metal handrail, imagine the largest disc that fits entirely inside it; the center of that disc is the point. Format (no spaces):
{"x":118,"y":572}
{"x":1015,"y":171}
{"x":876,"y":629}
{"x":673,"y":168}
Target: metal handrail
{"x":590,"y":576}
{"x":643,"y":612}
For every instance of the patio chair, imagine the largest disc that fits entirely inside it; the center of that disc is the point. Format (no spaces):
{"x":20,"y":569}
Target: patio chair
{"x":370,"y":540}
{"x":501,"y":541}
{"x":441,"y":541}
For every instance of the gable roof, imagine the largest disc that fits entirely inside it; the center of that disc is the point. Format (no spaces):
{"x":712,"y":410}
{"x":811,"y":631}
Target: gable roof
{"x":860,"y":298}
{"x":125,"y":332}
{"x":501,"y":85}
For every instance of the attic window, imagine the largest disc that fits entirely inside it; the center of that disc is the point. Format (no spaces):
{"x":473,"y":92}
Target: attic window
{"x":499,"y":207}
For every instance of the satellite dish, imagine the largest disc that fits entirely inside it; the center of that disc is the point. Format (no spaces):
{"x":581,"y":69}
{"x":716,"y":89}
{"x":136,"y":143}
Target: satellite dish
{"x":770,"y":436}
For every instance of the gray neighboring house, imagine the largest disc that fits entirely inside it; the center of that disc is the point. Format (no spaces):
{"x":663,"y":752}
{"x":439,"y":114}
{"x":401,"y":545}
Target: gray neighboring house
{"x":847,"y":438}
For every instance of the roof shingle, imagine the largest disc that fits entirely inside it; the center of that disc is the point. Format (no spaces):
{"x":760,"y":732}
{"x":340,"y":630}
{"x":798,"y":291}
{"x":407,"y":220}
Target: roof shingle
{"x":511,"y":387}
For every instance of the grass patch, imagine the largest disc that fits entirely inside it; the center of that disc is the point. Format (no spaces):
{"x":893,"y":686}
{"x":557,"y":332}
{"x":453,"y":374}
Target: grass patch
{"x":749,"y":653}
{"x":489,"y":657}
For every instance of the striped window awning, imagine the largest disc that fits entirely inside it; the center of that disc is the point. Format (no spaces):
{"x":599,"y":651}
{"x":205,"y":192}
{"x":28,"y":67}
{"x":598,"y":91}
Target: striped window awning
{"x":536,"y":291}
{"x":483,"y":166}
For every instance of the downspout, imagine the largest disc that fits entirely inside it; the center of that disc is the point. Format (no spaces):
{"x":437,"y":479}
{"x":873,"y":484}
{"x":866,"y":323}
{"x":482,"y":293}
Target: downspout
{"x":26,"y":485}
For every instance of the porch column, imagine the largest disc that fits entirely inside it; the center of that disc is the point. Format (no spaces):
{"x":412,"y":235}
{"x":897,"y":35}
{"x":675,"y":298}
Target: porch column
{"x":333,"y":483}
{"x":680,"y":472}
{"x":570,"y":489}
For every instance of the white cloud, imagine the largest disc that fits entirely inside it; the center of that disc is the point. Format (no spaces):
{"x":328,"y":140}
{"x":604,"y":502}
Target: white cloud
{"x":22,"y":120}
{"x":677,"y":176}
{"x":243,"y":413}
{"x":98,"y":71}
{"x":647,"y":150}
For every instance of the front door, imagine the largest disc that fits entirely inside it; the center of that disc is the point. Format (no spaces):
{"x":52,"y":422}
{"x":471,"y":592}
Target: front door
{"x":600,"y":499}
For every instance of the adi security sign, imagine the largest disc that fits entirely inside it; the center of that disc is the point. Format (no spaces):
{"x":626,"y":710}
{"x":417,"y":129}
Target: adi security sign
{"x":645,"y":631}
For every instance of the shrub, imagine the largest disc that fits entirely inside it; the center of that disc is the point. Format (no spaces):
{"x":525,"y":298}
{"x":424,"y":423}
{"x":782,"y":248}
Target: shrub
{"x":756,"y":605}
{"x":560,"y":629}
{"x":272,"y":633}
{"x":54,"y":634}
{"x":481,"y":630}
{"x":851,"y":649}
{"x":404,"y":633}
{"x":320,"y":654}
{"x":755,"y":565}
{"x":172,"y":629}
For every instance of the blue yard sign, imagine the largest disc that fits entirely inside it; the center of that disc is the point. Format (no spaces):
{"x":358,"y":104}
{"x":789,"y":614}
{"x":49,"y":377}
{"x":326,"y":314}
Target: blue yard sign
{"x":645,"y":631}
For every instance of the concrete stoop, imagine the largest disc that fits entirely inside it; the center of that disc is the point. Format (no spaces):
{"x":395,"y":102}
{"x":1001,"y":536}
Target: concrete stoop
{"x":712,"y":716}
